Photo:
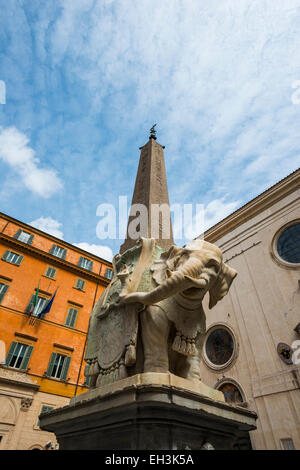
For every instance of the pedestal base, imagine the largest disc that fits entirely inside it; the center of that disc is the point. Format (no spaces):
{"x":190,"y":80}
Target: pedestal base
{"x":149,"y":412}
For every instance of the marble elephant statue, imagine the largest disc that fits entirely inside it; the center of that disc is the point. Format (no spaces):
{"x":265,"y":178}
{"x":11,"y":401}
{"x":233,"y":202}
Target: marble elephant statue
{"x":172,"y":320}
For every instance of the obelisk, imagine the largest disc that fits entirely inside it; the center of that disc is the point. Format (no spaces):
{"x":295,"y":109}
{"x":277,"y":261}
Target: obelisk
{"x":151,"y":191}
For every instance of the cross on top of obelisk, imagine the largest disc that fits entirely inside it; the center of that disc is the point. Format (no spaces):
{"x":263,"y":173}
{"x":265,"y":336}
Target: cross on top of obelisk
{"x":153,"y":132}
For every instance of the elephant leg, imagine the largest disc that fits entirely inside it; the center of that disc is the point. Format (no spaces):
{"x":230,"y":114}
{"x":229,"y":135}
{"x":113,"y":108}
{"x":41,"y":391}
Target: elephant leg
{"x":188,"y":367}
{"x":155,"y":333}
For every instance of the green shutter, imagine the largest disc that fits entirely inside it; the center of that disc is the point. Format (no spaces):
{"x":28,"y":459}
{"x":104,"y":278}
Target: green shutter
{"x":52,"y":249}
{"x":30,"y":304}
{"x":4,"y":257}
{"x":71,"y":318}
{"x":3,"y":292}
{"x":64,"y":254}
{"x":10,"y":352}
{"x":17,"y":234}
{"x":19,"y":260}
{"x":26,"y":358}
{"x":91,"y":266}
{"x":65,"y":368}
{"x":30,"y":240}
{"x":51,"y":364}
{"x":80,"y":261}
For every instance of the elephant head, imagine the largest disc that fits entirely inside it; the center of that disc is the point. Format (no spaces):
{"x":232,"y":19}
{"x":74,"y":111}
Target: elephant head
{"x":192,"y":271}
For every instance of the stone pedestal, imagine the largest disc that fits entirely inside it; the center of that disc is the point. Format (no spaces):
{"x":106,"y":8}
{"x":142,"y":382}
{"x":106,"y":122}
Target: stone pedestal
{"x":149,"y":412}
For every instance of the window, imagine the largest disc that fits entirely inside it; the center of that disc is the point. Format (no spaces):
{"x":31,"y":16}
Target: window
{"x":85,"y":263}
{"x":287,"y":444}
{"x":18,"y":355}
{"x":50,"y":272}
{"x":24,"y":237}
{"x":58,"y":251}
{"x":219,"y":347}
{"x":3,"y":290}
{"x":108,"y":273}
{"x":44,"y":409}
{"x":58,"y":366}
{"x":288,"y":244}
{"x":12,"y":257}
{"x":40,"y":305}
{"x":80,"y":283}
{"x":71,"y":317}
{"x":231,"y":393}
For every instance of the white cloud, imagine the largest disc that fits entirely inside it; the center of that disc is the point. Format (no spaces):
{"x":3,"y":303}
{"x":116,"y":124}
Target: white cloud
{"x":99,"y":250}
{"x":216,"y":76}
{"x":15,"y":152}
{"x":48,"y":225}
{"x":208,"y":215}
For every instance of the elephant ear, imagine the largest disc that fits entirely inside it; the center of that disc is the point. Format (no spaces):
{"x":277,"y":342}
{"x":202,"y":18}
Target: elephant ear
{"x":163,"y":267}
{"x":221,"y":287}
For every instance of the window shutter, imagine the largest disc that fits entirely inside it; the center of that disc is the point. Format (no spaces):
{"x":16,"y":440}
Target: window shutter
{"x":30,"y":304}
{"x":10,"y":352}
{"x":30,"y":240}
{"x":80,"y":261}
{"x":80,"y":284}
{"x":71,"y":318}
{"x":64,"y":254}
{"x":26,"y":357}
{"x":19,"y":260}
{"x":51,"y":364}
{"x":18,"y":233}
{"x":3,"y":292}
{"x":52,"y":249}
{"x":91,"y":265}
{"x":5,"y":255}
{"x":65,"y":368}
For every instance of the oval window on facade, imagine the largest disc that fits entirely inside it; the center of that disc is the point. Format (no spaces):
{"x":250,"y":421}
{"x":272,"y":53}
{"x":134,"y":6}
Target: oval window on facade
{"x":288,"y":244}
{"x":219,"y":347}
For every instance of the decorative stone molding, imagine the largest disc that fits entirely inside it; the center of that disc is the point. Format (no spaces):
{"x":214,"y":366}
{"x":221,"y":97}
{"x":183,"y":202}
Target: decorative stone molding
{"x":11,"y":375}
{"x":26,"y":403}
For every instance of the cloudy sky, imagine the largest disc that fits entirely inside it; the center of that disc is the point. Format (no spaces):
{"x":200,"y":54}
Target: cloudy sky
{"x":86,"y":79}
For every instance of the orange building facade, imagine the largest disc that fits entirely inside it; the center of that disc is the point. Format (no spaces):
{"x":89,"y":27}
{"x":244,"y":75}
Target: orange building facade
{"x":41,"y":353}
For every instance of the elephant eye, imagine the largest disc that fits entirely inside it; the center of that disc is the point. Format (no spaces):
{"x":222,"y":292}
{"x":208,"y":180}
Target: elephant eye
{"x":213,"y":265}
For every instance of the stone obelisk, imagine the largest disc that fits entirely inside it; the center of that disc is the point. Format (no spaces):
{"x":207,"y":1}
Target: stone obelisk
{"x":151,"y":191}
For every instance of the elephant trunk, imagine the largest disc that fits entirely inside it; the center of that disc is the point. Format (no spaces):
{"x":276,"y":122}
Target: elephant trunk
{"x":177,"y":281}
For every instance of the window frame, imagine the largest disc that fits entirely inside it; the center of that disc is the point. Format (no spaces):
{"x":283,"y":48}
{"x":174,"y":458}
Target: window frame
{"x":6,"y":287}
{"x":55,"y":272}
{"x":19,"y":233}
{"x":76,"y":285}
{"x":273,"y":246}
{"x":65,"y":367}
{"x":71,"y":316}
{"x":30,"y":302}
{"x":231,"y":360}
{"x":25,"y":358}
{"x":53,"y":249}
{"x":110,"y":271}
{"x":6,"y":254}
{"x":82,"y":259}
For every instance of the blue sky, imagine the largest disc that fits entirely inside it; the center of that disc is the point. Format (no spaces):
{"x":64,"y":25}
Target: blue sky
{"x":86,"y":79}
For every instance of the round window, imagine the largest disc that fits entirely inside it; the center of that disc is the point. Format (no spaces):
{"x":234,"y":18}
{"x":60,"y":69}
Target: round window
{"x":288,"y":244}
{"x":231,"y":393}
{"x":219,"y":346}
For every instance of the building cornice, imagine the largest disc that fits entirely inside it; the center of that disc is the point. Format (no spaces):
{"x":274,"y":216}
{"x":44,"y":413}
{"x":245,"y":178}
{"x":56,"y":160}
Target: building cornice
{"x":257,"y":205}
{"x":53,"y":260}
{"x":55,"y":240}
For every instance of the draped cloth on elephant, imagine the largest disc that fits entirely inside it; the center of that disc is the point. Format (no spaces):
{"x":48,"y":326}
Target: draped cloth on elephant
{"x":112,"y":335}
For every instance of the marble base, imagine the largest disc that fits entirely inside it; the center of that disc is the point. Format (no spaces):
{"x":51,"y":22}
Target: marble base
{"x":149,"y":412}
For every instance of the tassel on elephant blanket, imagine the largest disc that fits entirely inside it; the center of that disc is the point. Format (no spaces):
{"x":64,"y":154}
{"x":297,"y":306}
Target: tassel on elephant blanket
{"x":184,"y":345}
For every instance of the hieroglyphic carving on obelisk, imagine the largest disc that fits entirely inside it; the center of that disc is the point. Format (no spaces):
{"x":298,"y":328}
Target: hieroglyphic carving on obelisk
{"x":151,"y":190}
